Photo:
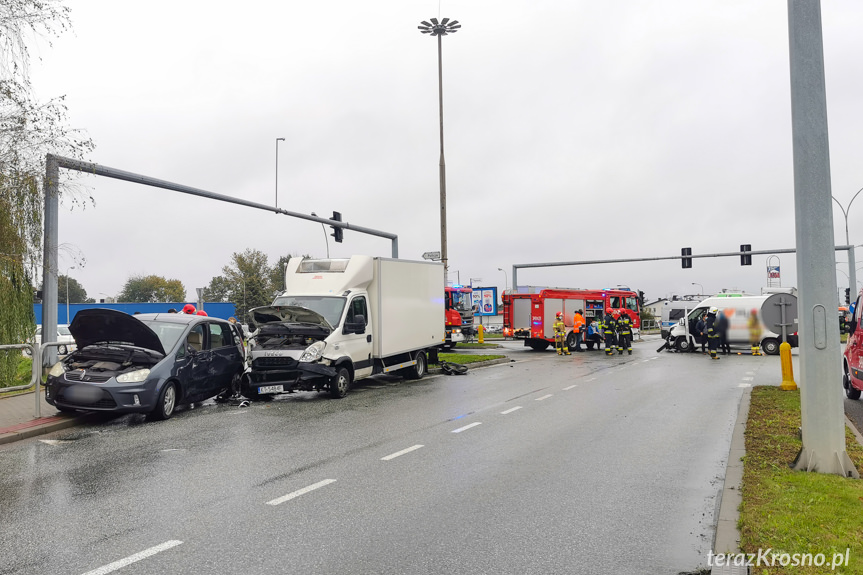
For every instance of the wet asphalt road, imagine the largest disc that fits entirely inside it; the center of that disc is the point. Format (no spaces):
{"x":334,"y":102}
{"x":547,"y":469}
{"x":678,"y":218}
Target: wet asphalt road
{"x":580,"y":464}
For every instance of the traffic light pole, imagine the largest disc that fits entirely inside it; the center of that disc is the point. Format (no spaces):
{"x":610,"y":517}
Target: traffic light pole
{"x":516,"y":267}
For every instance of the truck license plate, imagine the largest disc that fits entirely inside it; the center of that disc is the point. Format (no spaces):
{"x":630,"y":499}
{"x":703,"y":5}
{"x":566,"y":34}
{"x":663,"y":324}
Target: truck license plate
{"x":271,"y":389}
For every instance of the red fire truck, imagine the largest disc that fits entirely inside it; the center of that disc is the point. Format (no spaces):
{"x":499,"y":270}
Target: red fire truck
{"x":459,"y":314}
{"x":531,"y":315}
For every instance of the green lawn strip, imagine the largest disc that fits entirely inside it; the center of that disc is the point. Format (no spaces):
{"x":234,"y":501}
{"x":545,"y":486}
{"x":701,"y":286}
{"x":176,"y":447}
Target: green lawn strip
{"x":22,"y":377}
{"x":464,"y":358}
{"x":474,"y":345}
{"x":794,"y":511}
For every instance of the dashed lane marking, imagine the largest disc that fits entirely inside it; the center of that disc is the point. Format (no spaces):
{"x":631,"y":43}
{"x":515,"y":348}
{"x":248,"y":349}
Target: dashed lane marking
{"x":133,"y":558}
{"x":302,"y":491}
{"x":748,"y":378}
{"x":460,"y":429}
{"x":510,"y":410}
{"x":568,"y":388}
{"x":745,"y":385}
{"x":543,"y":397}
{"x":402,"y":452}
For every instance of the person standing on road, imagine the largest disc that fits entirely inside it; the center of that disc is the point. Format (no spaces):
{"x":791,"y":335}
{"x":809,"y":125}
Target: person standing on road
{"x":712,"y":333}
{"x":609,"y":328}
{"x":624,"y":334}
{"x":722,"y":328}
{"x":594,"y":335}
{"x":578,"y":329}
{"x":701,"y":332}
{"x":755,"y":332}
{"x":560,"y":335}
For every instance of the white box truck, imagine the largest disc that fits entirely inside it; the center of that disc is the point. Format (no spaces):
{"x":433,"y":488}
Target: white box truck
{"x":341,"y":320}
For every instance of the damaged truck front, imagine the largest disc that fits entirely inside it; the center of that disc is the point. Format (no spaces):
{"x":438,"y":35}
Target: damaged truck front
{"x":341,"y":320}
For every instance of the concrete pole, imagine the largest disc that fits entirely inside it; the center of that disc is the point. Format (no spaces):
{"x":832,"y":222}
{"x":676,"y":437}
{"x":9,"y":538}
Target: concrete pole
{"x":821,"y":403}
{"x":49,"y":260}
{"x":443,"y":250}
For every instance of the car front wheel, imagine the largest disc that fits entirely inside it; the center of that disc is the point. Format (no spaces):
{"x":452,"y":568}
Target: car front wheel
{"x":167,"y":402}
{"x":682,"y":343}
{"x":770,"y":346}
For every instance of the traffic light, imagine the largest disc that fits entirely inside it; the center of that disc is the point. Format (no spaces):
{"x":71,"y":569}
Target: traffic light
{"x":848,"y":295}
{"x":685,"y":261}
{"x":745,"y":258}
{"x":641,"y":299}
{"x":337,"y":232}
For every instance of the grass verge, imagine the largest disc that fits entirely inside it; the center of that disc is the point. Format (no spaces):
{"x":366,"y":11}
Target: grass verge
{"x":463,"y":358}
{"x":22,"y":377}
{"x":791,"y":511}
{"x":475,"y":345}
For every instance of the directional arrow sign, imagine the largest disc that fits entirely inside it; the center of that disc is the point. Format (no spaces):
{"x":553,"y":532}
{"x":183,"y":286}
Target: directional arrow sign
{"x":434,"y":256}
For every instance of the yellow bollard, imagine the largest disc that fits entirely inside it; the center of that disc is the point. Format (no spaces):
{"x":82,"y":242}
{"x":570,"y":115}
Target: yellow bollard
{"x":479,"y":330}
{"x":787,"y":370}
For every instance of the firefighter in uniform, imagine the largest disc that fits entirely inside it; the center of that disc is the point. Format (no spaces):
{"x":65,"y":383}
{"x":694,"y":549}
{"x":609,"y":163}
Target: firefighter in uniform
{"x":755,"y":332}
{"x":624,"y":334}
{"x":578,"y":328}
{"x":609,"y":327}
{"x":560,"y":335}
{"x":712,"y":332}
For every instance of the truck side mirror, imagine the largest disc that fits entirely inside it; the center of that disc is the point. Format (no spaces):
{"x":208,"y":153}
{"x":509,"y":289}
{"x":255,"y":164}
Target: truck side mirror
{"x":356,"y":326}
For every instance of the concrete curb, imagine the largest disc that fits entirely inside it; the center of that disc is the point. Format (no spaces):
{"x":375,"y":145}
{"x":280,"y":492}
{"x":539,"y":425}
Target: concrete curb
{"x":727,"y":537}
{"x":39,"y":426}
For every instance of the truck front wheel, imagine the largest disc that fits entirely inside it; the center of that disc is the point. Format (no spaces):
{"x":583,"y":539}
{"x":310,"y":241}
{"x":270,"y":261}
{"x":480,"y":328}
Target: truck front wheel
{"x":340,"y":384}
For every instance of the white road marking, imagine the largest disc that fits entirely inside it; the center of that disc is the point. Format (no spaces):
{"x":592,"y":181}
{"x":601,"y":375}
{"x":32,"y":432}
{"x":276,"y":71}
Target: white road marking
{"x":55,"y":441}
{"x":543,"y":397}
{"x":402,"y":452}
{"x":299,"y":492}
{"x":591,"y":379}
{"x":750,"y":373}
{"x":460,"y":429}
{"x":745,"y":385}
{"x":568,"y":388}
{"x":510,"y":410}
{"x":748,"y":378}
{"x":133,"y":558}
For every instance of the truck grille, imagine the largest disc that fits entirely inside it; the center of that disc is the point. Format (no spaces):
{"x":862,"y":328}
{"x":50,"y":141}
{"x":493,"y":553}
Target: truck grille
{"x":264,"y":362}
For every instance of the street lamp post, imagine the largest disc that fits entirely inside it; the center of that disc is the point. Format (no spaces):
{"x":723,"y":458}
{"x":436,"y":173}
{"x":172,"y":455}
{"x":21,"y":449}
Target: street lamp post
{"x":441,"y":29}
{"x":67,"y":292}
{"x":326,"y":236}
{"x":701,"y":287}
{"x":277,"y":169}
{"x":852,"y":275}
{"x":505,"y":279}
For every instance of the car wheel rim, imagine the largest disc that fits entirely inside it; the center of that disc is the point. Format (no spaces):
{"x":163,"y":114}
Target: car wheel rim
{"x":170,"y":397}
{"x":343,"y":383}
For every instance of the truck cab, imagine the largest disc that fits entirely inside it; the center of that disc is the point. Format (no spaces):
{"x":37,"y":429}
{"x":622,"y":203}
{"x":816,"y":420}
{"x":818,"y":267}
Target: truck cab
{"x":458,"y":302}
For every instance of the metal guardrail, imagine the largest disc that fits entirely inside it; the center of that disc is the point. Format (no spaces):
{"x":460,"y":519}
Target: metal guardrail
{"x":36,"y":375}
{"x":37,"y":353}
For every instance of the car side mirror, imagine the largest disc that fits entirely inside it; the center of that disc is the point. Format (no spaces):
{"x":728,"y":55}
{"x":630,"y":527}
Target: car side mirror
{"x":191,"y":350}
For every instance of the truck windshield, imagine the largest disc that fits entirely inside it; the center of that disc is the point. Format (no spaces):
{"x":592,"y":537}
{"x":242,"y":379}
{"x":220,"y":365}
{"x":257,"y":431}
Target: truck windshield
{"x":329,"y":307}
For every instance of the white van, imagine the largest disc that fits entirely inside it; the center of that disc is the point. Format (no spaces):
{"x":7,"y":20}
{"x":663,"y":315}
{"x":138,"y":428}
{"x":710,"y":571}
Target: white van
{"x":737,"y":308}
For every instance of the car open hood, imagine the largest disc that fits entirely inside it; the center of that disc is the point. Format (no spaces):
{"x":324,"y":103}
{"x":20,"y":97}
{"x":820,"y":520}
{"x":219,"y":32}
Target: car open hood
{"x":107,"y":325}
{"x":288,"y":313}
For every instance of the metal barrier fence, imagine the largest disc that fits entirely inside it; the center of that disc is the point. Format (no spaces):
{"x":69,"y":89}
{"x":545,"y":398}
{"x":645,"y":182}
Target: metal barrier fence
{"x":37,"y":353}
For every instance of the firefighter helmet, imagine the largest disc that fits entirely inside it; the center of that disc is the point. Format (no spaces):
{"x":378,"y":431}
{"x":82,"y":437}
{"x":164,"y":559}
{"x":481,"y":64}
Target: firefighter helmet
{"x":202,"y":312}
{"x":560,"y":315}
{"x":189,"y":308}
{"x":714,"y":310}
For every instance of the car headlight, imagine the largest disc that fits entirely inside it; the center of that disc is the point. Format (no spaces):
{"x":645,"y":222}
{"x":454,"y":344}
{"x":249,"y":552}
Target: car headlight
{"x":456,"y":331}
{"x":57,"y":370}
{"x":313,"y":352}
{"x":133,"y":376}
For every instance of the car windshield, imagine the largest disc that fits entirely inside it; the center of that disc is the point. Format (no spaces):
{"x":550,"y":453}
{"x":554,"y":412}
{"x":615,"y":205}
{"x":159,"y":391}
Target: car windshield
{"x":168,"y":332}
{"x":329,"y":307}
{"x":63,"y":330}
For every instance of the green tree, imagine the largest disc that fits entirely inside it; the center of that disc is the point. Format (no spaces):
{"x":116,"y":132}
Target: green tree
{"x":28,"y":130}
{"x":248,"y":281}
{"x":152,"y":288}
{"x":77,"y":293}
{"x":276,"y":277}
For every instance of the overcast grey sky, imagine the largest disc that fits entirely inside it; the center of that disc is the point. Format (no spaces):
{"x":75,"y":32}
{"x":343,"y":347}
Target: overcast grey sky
{"x":574,"y":130}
